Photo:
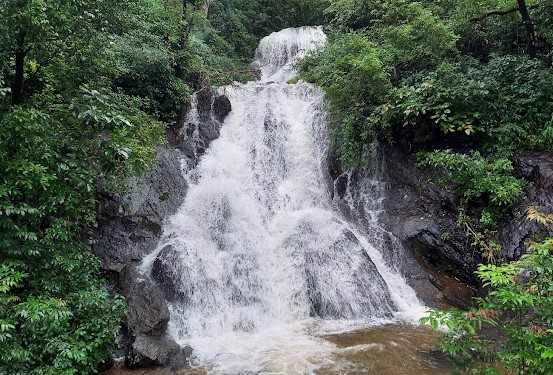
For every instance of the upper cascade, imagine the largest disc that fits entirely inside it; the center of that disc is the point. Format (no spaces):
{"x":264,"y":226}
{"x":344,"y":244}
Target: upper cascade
{"x":277,"y":53}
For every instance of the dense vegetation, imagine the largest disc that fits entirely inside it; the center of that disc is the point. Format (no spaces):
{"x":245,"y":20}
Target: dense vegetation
{"x":86,"y":87}
{"x":512,"y":325}
{"x":464,"y":84}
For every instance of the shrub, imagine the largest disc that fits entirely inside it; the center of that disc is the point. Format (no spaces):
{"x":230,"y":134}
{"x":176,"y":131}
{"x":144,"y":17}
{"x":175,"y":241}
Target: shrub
{"x":519,"y":306}
{"x":477,"y":177}
{"x":56,"y":316}
{"x":352,"y":73}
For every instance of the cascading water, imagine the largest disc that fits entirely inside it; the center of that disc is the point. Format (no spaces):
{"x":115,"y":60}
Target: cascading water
{"x":261,"y":261}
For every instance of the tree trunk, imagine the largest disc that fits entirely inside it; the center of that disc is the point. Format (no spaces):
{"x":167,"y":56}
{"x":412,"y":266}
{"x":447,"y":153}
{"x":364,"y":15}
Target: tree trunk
{"x":205,"y":7}
{"x":530,"y":29}
{"x":17,"y":86}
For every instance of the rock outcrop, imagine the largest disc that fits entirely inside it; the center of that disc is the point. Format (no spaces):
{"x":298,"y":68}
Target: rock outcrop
{"x":423,"y":215}
{"x":517,"y":231}
{"x":162,"y":272}
{"x":148,"y":313}
{"x":202,"y":125}
{"x":130,"y":226}
{"x":148,"y":351}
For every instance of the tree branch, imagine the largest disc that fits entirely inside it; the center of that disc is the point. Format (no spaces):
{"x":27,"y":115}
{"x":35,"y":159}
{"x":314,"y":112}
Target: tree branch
{"x":500,"y":13}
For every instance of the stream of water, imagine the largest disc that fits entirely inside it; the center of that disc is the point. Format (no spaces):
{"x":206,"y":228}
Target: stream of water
{"x":272,"y":278}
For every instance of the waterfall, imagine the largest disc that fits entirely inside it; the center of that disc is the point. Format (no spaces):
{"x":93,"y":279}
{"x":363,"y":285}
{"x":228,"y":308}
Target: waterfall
{"x":259,"y":259}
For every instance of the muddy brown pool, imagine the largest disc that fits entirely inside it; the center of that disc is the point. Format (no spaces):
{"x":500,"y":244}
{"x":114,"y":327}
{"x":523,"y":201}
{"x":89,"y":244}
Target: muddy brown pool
{"x":387,"y":350}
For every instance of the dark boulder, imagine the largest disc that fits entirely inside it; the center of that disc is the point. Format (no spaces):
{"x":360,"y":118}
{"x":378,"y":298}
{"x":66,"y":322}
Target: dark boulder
{"x":204,"y":102}
{"x":164,"y":274}
{"x":221,"y":107}
{"x":148,"y":312}
{"x":147,"y":351}
{"x":209,"y":105}
{"x":129,"y":224}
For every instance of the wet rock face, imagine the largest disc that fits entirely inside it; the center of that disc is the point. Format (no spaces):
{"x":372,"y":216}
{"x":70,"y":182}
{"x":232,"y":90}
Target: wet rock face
{"x":130,"y":226}
{"x":441,"y":259}
{"x":204,"y":99}
{"x":368,"y":285}
{"x":148,"y":312}
{"x":193,"y":134}
{"x":518,"y":231}
{"x":221,"y":107}
{"x":424,"y":215}
{"x":147,"y":351}
{"x":163,"y":274}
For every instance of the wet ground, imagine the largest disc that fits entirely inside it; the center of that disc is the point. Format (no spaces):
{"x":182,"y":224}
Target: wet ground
{"x":388,"y":350}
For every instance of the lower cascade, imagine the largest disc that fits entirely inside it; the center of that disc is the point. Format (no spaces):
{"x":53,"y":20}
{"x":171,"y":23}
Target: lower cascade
{"x":260,"y":260}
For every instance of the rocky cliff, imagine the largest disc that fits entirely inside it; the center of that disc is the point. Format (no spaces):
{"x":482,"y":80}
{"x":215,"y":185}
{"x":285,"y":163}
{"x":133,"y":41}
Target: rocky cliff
{"x":130,"y":225}
{"x":423,"y":215}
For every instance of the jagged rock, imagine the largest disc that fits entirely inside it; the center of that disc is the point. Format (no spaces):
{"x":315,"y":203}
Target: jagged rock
{"x":204,"y":99}
{"x":518,"y":231}
{"x":147,"y":351}
{"x":221,"y":107}
{"x":391,"y":229}
{"x":208,"y":132}
{"x":194,"y":135}
{"x":423,"y":215}
{"x":162,"y":272}
{"x":148,"y":312}
{"x":536,"y":167}
{"x":129,"y":225}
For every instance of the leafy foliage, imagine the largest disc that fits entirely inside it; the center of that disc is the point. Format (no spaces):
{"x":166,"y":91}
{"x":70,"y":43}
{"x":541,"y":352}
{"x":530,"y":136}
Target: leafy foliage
{"x":477,"y":177}
{"x":351,"y":61}
{"x":439,"y":94}
{"x":56,"y":316}
{"x":499,"y":106}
